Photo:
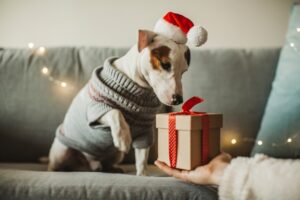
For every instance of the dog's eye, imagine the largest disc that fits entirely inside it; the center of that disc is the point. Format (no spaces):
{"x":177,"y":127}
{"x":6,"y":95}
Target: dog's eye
{"x":166,"y":66}
{"x":187,"y":56}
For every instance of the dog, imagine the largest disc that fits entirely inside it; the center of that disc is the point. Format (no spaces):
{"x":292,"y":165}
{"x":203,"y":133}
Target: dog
{"x":154,"y":65}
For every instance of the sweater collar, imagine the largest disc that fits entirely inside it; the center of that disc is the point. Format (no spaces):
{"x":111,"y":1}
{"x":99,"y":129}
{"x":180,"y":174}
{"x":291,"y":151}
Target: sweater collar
{"x":111,"y":72}
{"x":115,"y":84}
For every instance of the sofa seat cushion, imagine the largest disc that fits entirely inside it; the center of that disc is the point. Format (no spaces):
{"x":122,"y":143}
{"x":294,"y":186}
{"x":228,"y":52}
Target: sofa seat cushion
{"x":24,"y":166}
{"x":127,"y":168}
{"x":26,"y":183}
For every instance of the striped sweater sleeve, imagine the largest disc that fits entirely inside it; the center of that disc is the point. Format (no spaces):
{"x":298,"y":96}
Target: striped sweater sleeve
{"x":261,"y":177}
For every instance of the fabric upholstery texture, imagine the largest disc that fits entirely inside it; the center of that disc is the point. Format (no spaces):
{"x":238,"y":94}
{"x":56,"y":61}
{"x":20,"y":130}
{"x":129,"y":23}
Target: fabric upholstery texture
{"x":127,"y":168}
{"x":36,"y":185}
{"x":280,"y":129}
{"x":235,"y":82}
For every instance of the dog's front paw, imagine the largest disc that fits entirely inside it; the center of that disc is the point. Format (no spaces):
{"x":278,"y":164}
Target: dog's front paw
{"x":141,"y":169}
{"x":141,"y":173}
{"x":123,"y":142}
{"x":119,"y":129}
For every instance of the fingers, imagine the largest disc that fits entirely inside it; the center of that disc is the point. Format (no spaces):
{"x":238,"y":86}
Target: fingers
{"x":222,"y":157}
{"x":226,"y":156}
{"x":180,"y":174}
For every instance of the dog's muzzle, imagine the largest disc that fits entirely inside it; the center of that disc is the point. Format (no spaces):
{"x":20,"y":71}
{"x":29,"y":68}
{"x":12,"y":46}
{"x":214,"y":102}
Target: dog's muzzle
{"x":176,"y":99}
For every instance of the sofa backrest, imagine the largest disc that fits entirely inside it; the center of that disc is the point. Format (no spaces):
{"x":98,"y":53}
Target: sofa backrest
{"x":236,"y":83}
{"x":32,"y":104}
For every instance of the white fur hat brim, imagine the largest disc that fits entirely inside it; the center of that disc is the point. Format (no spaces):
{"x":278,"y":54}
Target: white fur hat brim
{"x":171,"y":31}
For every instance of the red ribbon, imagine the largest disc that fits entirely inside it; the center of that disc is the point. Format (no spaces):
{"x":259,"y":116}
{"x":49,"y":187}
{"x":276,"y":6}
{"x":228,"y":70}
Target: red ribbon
{"x":173,"y":137}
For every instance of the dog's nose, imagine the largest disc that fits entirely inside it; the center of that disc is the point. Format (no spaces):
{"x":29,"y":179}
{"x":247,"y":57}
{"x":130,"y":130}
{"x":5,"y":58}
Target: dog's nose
{"x":176,"y":99}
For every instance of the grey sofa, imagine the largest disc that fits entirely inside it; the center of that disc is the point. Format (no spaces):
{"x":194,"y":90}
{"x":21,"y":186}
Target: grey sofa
{"x":235,"y":82}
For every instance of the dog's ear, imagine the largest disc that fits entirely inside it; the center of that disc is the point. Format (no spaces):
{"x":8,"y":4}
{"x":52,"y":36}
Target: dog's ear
{"x":145,"y":38}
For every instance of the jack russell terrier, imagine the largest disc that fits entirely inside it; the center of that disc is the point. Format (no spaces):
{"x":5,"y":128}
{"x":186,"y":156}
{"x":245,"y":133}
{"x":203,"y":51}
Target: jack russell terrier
{"x":117,"y":107}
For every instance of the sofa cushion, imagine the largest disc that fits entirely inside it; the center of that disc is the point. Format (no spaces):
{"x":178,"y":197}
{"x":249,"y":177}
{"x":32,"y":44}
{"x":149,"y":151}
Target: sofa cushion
{"x":25,"y":184}
{"x":152,"y":170}
{"x":279,"y":134}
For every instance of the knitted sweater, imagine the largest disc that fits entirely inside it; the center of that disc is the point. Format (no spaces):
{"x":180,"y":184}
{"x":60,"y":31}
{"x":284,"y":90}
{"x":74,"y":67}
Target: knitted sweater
{"x":107,"y":89}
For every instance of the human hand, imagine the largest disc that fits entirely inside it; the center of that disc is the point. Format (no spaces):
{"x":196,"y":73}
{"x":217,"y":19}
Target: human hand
{"x":210,"y":174}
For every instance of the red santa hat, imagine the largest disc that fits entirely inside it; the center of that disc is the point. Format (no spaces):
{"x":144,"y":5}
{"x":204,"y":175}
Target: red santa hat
{"x":180,"y":29}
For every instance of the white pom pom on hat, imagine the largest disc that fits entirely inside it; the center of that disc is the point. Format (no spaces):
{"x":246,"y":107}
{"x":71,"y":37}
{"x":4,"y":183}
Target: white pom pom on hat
{"x":181,"y":29}
{"x":197,"y":36}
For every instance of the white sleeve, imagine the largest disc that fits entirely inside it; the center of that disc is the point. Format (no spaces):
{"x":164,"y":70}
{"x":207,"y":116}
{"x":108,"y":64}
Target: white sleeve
{"x":261,"y":177}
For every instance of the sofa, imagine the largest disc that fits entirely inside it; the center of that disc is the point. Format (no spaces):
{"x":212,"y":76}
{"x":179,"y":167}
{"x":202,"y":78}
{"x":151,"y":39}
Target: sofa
{"x":36,"y":88}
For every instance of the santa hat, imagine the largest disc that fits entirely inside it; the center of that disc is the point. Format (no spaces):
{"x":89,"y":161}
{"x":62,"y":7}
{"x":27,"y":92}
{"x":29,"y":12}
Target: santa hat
{"x":180,"y":29}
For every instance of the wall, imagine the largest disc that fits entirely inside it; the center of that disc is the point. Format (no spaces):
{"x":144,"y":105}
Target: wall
{"x":231,"y":23}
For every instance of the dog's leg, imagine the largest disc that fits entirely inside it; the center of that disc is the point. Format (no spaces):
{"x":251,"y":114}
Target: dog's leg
{"x":94,"y":162}
{"x":119,"y":129}
{"x":121,"y":138}
{"x":63,"y":158}
{"x":141,"y":161}
{"x":109,"y":162}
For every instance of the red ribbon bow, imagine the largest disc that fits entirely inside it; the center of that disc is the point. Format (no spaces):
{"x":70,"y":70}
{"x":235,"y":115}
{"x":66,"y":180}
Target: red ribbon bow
{"x":173,"y":137}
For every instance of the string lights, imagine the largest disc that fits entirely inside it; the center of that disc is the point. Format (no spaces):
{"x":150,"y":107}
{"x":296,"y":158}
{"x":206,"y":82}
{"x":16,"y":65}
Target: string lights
{"x":259,"y":142}
{"x":30,"y":45}
{"x":233,"y":141}
{"x":45,"y":70}
{"x":293,"y":45}
{"x":288,"y":141}
{"x":41,"y":51}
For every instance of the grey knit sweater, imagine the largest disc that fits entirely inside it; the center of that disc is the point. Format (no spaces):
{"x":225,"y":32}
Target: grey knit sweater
{"x":108,"y":88}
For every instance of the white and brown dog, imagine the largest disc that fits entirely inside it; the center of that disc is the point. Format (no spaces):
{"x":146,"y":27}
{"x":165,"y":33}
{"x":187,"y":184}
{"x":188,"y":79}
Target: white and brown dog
{"x":157,"y":62}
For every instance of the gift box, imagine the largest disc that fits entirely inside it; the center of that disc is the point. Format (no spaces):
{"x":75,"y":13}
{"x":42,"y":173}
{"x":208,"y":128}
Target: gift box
{"x":188,"y":139}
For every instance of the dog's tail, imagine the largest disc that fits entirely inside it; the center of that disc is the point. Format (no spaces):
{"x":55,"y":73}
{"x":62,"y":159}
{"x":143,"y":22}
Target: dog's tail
{"x":44,"y":160}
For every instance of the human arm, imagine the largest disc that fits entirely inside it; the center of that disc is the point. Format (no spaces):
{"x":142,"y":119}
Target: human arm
{"x":260,"y":177}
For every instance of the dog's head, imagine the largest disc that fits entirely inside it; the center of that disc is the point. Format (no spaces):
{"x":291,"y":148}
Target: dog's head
{"x":162,"y":63}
